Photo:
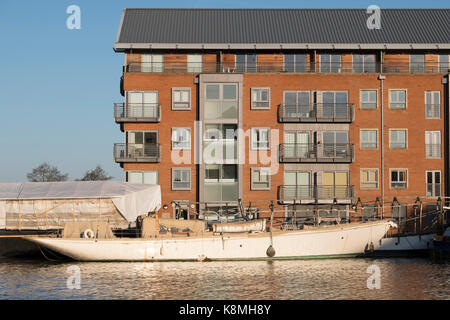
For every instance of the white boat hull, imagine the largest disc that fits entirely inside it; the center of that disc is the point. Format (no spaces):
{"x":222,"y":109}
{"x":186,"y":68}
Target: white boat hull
{"x":325,"y":242}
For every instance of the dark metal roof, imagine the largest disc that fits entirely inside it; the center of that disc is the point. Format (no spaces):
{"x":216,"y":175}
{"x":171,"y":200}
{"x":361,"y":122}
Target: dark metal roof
{"x":281,"y":26}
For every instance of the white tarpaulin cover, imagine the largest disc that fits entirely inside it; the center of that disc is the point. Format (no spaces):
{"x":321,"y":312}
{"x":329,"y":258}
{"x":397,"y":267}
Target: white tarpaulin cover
{"x":131,"y":200}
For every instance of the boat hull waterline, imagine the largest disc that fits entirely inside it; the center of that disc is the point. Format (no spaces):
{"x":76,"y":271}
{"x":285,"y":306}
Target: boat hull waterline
{"x":324,"y":242}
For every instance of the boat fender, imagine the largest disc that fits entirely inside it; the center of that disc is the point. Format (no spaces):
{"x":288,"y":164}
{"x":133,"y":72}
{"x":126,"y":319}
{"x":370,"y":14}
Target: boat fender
{"x":88,"y":233}
{"x":371,"y":247}
{"x":270,"y":251}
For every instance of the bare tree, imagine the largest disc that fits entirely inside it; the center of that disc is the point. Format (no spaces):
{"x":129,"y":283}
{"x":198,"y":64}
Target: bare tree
{"x":45,"y":173}
{"x":98,"y":174}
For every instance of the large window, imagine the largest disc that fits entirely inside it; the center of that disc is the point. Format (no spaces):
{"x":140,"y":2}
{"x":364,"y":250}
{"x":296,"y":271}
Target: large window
{"x":432,"y":105}
{"x":246,"y":63}
{"x":433,"y":144}
{"x":221,"y":182}
{"x":368,"y":139}
{"x":369,"y":179}
{"x":363,"y":63}
{"x":397,"y":99}
{"x":399,"y":178}
{"x":181,"y":99}
{"x":297,"y":104}
{"x":142,"y":104}
{"x":260,"y":98}
{"x":152,"y":63}
{"x":260,"y":138}
{"x":335,"y":104}
{"x":181,"y":138}
{"x":330,"y":63}
{"x":260,"y":178}
{"x":221,"y":101}
{"x":433,"y":178}
{"x":444,"y":63}
{"x":295,"y":62}
{"x":368,"y":99}
{"x":181,"y":179}
{"x":398,"y":139}
{"x":417,"y":63}
{"x":145,"y":177}
{"x":195,"y":62}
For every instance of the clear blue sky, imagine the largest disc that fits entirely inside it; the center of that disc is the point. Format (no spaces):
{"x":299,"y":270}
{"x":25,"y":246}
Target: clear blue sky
{"x":57,"y":86}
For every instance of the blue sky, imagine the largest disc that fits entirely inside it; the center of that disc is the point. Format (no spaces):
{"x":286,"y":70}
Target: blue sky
{"x":57,"y":86}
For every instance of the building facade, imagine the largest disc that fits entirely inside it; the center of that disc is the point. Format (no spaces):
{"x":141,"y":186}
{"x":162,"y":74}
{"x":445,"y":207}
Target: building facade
{"x":309,"y":108}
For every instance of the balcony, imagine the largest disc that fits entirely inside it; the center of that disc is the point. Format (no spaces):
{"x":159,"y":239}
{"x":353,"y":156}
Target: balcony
{"x":433,"y":151}
{"x":316,"y":112}
{"x":316,"y":153}
{"x":130,"y":152}
{"x":282,"y":67}
{"x":315,"y":193}
{"x":137,"y":112}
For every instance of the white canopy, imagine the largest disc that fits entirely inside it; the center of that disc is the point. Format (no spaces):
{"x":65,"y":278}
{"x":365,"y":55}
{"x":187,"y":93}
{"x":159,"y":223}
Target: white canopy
{"x":131,"y":200}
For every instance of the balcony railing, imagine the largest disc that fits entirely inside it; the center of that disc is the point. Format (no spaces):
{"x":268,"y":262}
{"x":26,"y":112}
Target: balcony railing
{"x":132,"y":152}
{"x":323,"y":153}
{"x":433,"y":111}
{"x":315,"y":192}
{"x":287,"y":67}
{"x":433,"y":150}
{"x":316,"y":112}
{"x":137,"y":112}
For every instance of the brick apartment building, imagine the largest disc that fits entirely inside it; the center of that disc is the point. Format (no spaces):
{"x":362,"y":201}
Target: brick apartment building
{"x":311,"y":108}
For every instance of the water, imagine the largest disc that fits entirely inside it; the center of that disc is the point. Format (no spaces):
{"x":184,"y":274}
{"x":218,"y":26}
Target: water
{"x":301,"y":279}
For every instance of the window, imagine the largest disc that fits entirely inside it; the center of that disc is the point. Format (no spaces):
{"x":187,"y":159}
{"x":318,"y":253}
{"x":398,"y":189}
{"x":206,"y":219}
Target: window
{"x":369,"y":179}
{"x":246,"y":63}
{"x":195,"y":62}
{"x":330,"y":63}
{"x":260,"y":179}
{"x":142,"y":104}
{"x":297,"y":104}
{"x":260,"y":98}
{"x":444,"y":63}
{"x":152,"y":63}
{"x":417,"y":63}
{"x":335,"y":104}
{"x":368,"y":99}
{"x":433,"y":178}
{"x":397,"y":99}
{"x":295,"y":62}
{"x":145,"y":177}
{"x":181,"y":138}
{"x":260,"y":138}
{"x":335,"y":144}
{"x":369,"y":139}
{"x":181,"y":179}
{"x":432,"y":105}
{"x":397,"y":139}
{"x":399,"y":179}
{"x":363,"y":63}
{"x":432,"y":144}
{"x":221,"y":101}
{"x":181,"y":99}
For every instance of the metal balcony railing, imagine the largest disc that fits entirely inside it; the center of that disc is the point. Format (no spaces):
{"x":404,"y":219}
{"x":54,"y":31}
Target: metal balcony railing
{"x":433,"y":150}
{"x":323,"y":153}
{"x":316,"y":112}
{"x":315,"y":192}
{"x":287,"y":67}
{"x":433,"y":110}
{"x":137,"y":112}
{"x":132,"y":152}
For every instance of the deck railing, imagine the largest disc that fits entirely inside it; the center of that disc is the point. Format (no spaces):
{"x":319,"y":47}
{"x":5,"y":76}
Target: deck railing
{"x":287,"y":67}
{"x":132,"y":152}
{"x":310,"y":152}
{"x":316,"y":112}
{"x":137,"y":112}
{"x":313,"y":192}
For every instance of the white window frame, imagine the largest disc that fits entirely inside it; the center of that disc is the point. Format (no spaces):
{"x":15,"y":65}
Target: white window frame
{"x":188,"y":102}
{"x":405,"y":184}
{"x":175,"y":143}
{"x":369,"y":184}
{"x":391,"y":141}
{"x":397,"y":101}
{"x":362,"y":103}
{"x":433,"y":183}
{"x":433,"y":155}
{"x":362,"y":142}
{"x":260,"y":104}
{"x":143,"y":173}
{"x":432,"y":93}
{"x":256,"y":145}
{"x":152,"y":68}
{"x":195,"y":68}
{"x":181,"y":169}
{"x":259,"y":171}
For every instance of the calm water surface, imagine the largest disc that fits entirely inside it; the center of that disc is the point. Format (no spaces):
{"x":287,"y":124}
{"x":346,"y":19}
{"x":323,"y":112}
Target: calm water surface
{"x":302,"y":279}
